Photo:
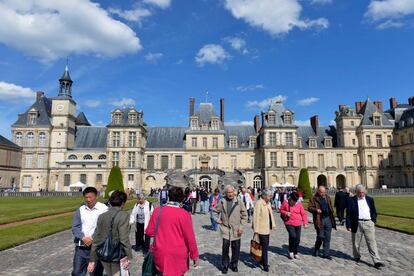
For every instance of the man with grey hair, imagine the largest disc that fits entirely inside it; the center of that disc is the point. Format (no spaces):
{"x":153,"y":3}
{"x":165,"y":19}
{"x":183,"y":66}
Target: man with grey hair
{"x":230,"y":213}
{"x":361,"y":217}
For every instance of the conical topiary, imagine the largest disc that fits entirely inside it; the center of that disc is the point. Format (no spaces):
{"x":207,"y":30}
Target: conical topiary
{"x":115,"y":182}
{"x":304,"y":184}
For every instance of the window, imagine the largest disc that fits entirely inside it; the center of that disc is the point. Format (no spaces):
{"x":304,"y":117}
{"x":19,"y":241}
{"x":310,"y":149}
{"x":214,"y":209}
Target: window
{"x":368,"y":140}
{"x":272,"y":119}
{"x":150,"y":162}
{"x":32,"y":118}
{"x":132,"y":118}
{"x":115,"y":159}
{"x":40,"y":160}
{"x":340,"y":161}
{"x":252,"y":142}
{"x":299,"y":142}
{"x":83,"y":178}
{"x":204,"y":142}
{"x":99,"y":178}
{"x":288,"y":119}
{"x":252,"y":162}
{"x":215,"y":142}
{"x":352,"y":123}
{"x":272,"y":138}
{"x":42,"y":139}
{"x":328,"y":143}
{"x":27,"y":181}
{"x":72,"y":157}
{"x":233,"y":162}
{"x":390,"y":161}
{"x":29,"y":160}
{"x":370,"y":160}
{"x":402,"y":140}
{"x":412,"y":158}
{"x":194,"y":123}
{"x":289,"y":138}
{"x":404,"y":159}
{"x":312,"y":143}
{"x":87,"y":157}
{"x":178,"y":162}
{"x":116,"y":139}
{"x":302,"y":161}
{"x":132,"y":139}
{"x":380,"y":160}
{"x":117,"y":118}
{"x":289,"y":157}
{"x":411,"y":138}
{"x":194,"y":142}
{"x":30,"y":139}
{"x":257,"y":182}
{"x":321,"y":161}
{"x":131,"y":160}
{"x":273,"y":159}
{"x":378,"y":138}
{"x":353,"y":142}
{"x":19,"y":138}
{"x":233,"y":143}
{"x":164,"y":162}
{"x":66,"y":180}
{"x":214,"y":124}
{"x":377,"y":120}
{"x":130,"y":177}
{"x":215,"y":161}
{"x":355,"y":159}
{"x":194,"y":162}
{"x":389,"y":140}
{"x":102,"y":157}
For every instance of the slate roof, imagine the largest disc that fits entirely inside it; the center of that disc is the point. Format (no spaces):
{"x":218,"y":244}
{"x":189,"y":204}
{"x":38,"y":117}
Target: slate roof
{"x":305,"y":132}
{"x":279,"y":109}
{"x":204,"y":112}
{"x":407,"y":119}
{"x":66,"y":75}
{"x":81,"y":120}
{"x":368,"y":109}
{"x":124,"y":120}
{"x":243,"y":133}
{"x":90,"y":137}
{"x":43,"y":106}
{"x":165,"y":137}
{"x":4,"y":142}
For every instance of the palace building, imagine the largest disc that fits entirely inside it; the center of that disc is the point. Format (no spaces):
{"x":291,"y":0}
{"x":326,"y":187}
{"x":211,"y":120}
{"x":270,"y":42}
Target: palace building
{"x":59,"y":147}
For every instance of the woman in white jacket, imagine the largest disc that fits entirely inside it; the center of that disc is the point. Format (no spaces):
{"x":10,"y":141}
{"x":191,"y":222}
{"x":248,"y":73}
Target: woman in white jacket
{"x":140,"y":215}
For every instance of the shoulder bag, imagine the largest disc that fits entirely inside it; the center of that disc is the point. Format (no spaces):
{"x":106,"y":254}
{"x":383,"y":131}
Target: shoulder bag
{"x":110,"y":250}
{"x":148,"y":267}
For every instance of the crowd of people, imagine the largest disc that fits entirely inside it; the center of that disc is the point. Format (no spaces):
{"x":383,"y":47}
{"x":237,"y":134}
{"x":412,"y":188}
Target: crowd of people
{"x":231,"y":210}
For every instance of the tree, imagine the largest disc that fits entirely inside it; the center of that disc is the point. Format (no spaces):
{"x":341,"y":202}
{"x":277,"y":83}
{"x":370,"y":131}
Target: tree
{"x":115,"y":182}
{"x":304,"y":184}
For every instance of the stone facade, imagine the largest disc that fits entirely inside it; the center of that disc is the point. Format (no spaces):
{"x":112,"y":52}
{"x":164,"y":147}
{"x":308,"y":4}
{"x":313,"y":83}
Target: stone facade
{"x":10,"y":164}
{"x":367,"y":146}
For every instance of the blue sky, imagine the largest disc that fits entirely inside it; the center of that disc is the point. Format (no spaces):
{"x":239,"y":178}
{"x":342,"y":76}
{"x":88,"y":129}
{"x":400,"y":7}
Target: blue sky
{"x":155,"y":54}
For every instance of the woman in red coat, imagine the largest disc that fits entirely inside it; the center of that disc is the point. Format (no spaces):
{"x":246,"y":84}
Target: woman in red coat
{"x":174,"y":241}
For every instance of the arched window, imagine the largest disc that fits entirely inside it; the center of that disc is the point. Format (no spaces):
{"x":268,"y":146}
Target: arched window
{"x":87,"y":157}
{"x":30,"y":139}
{"x":72,"y":157}
{"x":102,"y":157}
{"x":272,"y":119}
{"x":42,"y":139}
{"x":257,"y":182}
{"x":19,"y":138}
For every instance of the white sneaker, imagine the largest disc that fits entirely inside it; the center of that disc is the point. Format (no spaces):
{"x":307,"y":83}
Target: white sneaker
{"x":291,"y":255}
{"x":296,"y":257}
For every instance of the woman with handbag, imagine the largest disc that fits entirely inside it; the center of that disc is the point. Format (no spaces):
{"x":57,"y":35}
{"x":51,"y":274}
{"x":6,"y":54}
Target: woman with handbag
{"x":174,"y":240}
{"x":140,"y":215}
{"x":111,"y":239}
{"x":263,"y":222}
{"x":293,"y":214}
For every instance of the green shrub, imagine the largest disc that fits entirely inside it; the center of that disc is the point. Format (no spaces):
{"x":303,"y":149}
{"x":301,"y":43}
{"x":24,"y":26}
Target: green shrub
{"x":115,"y":182}
{"x":304,"y":184}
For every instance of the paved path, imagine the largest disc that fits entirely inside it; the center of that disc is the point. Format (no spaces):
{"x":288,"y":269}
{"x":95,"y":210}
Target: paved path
{"x":53,"y":255}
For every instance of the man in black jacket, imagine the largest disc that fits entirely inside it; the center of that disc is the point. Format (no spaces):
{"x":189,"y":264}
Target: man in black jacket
{"x":341,"y":199}
{"x":361,"y":217}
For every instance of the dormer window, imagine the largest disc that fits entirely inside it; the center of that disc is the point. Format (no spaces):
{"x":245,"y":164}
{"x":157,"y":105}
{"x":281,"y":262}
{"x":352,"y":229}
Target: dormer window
{"x":271,"y":119}
{"x":312,"y":143}
{"x":287,"y":118}
{"x":194,"y":123}
{"x":19,"y":138}
{"x":233,"y":142}
{"x":215,"y":124}
{"x":377,"y":120}
{"x":299,"y":142}
{"x":32,"y":117}
{"x":117,"y":117}
{"x":132,"y":118}
{"x":252,"y":142}
{"x":328,"y":142}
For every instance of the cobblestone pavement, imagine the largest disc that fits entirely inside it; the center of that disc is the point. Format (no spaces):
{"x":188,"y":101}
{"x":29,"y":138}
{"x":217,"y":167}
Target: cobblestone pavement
{"x":53,"y":255}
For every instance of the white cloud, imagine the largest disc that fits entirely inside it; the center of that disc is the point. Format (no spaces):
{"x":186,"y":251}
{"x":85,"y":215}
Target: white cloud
{"x":390,"y":24}
{"x":180,"y":61}
{"x":49,"y":30}
{"x":321,"y":2}
{"x":124,"y":102}
{"x":163,"y":4}
{"x":211,"y":53}
{"x":307,"y":101}
{"x":389,"y":9}
{"x":274,"y":16}
{"x":10,"y":92}
{"x":237,"y":43}
{"x":93,"y":103}
{"x":134,"y":15}
{"x":238,"y":123}
{"x":252,"y":87}
{"x":264,"y":104}
{"x":153,"y":57}
{"x":302,"y":122}
{"x":332,"y":123}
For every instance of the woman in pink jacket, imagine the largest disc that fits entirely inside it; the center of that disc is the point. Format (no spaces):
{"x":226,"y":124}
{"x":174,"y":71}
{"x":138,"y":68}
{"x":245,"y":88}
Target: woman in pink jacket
{"x":293,"y":215}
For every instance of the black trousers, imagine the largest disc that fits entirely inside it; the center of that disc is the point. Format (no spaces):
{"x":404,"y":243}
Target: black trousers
{"x":294,"y":238}
{"x":139,"y":238}
{"x":340,"y":214}
{"x":235,"y":253}
{"x":264,"y":242}
{"x":81,"y":261}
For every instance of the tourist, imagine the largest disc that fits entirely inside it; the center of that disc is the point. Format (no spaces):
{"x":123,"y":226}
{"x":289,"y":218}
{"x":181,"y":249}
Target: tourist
{"x":203,"y":200}
{"x":275,"y":199}
{"x":247,"y":201}
{"x":194,"y":198}
{"x":293,"y":216}
{"x":186,"y":203}
{"x":120,"y":232}
{"x":231,"y":214}
{"x":263,"y":222}
{"x":174,"y":241}
{"x":140,"y":215}
{"x":163,"y":194}
{"x":213,"y":200}
{"x":320,"y":205}
{"x":341,"y":200}
{"x":361,"y":217}
{"x":83,"y":229}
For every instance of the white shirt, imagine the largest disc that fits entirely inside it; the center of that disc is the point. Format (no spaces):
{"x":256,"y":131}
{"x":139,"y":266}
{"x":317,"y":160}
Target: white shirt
{"x":194,"y":194}
{"x":89,"y":217}
{"x":363,"y":209}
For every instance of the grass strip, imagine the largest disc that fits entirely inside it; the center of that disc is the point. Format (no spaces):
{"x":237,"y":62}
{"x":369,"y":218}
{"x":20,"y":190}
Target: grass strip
{"x":404,"y":225}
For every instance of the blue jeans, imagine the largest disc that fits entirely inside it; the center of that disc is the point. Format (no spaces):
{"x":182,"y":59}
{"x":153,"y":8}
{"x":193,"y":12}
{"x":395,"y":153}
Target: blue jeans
{"x":203,"y":206}
{"x":214,"y":224}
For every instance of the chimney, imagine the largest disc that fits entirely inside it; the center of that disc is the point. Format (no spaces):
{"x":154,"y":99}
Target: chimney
{"x":357,"y":107}
{"x":222,"y":110}
{"x":411,"y":100}
{"x":314,"y":121}
{"x":263,"y":118}
{"x":257,"y":123}
{"x":342,"y":107}
{"x":39,"y":94}
{"x":191,"y":106}
{"x":393,"y":103}
{"x":379,"y":105}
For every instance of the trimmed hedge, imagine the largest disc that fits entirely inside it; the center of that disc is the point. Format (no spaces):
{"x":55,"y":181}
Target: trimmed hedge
{"x":115,"y":182}
{"x":304,"y":184}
